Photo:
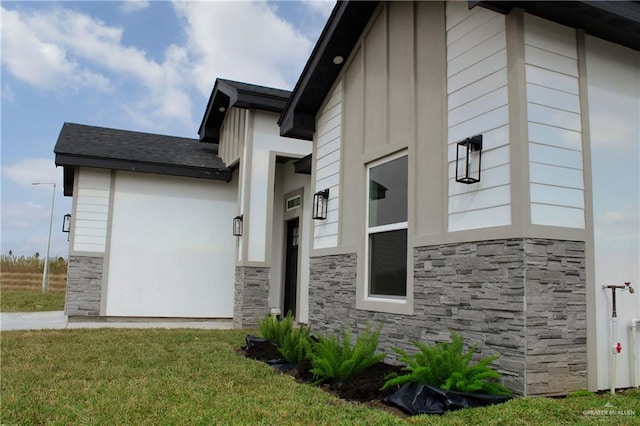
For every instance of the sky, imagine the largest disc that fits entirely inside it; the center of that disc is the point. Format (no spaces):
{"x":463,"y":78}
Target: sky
{"x":137,"y":65}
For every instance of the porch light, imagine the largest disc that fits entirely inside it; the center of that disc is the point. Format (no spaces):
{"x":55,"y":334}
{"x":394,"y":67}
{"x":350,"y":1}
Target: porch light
{"x":320,"y":203}
{"x":237,"y":226}
{"x":66,"y":223}
{"x":468,"y":160}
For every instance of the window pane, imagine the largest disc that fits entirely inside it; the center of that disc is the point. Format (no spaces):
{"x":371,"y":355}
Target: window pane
{"x":388,"y":192}
{"x":388,"y":260}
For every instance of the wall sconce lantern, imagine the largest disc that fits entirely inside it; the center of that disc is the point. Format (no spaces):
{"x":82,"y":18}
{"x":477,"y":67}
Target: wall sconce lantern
{"x":320,"y":204}
{"x":237,"y":226}
{"x":66,"y":223}
{"x":468,"y":160}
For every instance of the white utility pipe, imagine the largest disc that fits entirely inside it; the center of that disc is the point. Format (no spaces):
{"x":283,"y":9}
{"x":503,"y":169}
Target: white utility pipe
{"x":634,"y":351}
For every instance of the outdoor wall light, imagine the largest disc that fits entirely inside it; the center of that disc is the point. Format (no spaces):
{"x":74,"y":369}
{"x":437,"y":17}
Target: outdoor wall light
{"x":468,"y":160}
{"x":66,"y":223}
{"x":320,"y":204}
{"x":237,"y":226}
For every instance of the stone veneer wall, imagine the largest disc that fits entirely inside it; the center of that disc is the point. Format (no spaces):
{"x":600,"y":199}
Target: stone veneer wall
{"x":84,"y":286}
{"x":523,"y":299}
{"x":556,"y":317}
{"x":251,"y":296}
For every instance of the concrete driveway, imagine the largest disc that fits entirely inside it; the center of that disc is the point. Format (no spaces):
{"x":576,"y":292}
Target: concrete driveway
{"x":58,"y":320}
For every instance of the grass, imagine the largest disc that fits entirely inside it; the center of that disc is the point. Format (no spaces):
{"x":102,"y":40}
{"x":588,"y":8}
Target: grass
{"x":21,"y":284}
{"x":30,"y":301}
{"x":110,"y":376}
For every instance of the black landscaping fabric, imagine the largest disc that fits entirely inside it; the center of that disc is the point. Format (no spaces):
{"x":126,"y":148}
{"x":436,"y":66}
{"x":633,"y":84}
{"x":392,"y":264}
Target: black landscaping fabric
{"x":415,"y":398}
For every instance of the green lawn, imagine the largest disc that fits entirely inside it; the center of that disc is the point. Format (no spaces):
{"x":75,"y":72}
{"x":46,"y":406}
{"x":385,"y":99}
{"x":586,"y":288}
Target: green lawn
{"x":110,"y":376}
{"x":30,"y":301}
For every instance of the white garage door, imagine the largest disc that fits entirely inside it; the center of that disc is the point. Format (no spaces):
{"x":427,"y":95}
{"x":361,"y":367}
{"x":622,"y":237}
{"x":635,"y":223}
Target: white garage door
{"x":171,"y":252}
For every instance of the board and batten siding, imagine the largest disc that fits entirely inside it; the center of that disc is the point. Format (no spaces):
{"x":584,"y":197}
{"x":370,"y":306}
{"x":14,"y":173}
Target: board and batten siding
{"x":478,"y":104}
{"x":328,"y":168}
{"x":91,"y":210}
{"x":232,"y":135}
{"x":554,"y":127}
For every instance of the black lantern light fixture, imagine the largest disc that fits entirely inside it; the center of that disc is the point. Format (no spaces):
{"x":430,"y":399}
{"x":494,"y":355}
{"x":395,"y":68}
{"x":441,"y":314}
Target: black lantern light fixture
{"x":468,"y":160}
{"x":237,"y":226}
{"x":66,"y":223}
{"x":320,"y":204}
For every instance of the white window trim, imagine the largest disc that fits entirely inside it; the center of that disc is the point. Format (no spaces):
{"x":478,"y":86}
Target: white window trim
{"x":378,"y":301}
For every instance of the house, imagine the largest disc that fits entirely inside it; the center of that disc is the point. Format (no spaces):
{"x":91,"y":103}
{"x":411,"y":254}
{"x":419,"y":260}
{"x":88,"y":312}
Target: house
{"x":399,"y":99}
{"x":151,"y":228}
{"x":468,"y":155}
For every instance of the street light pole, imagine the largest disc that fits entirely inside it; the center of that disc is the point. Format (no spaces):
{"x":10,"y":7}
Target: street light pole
{"x":45,"y":273}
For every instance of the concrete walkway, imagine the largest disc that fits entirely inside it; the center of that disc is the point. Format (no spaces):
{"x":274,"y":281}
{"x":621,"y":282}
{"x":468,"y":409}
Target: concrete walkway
{"x":58,"y":320}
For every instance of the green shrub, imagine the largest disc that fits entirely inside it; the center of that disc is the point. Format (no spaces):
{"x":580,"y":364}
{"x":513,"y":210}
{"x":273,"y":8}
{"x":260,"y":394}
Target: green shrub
{"x":334,"y":359}
{"x":296,"y":345}
{"x":275,"y":329}
{"x":445,"y":365}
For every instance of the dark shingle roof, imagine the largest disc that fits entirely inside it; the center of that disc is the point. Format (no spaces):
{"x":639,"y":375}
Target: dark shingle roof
{"x":91,"y":146}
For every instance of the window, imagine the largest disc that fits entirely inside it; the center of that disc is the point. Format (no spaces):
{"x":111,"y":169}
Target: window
{"x":293,"y":202}
{"x":386,"y":244}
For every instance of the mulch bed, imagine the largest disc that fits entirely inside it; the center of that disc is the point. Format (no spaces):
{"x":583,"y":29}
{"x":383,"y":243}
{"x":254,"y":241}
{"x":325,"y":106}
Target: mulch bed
{"x":361,"y":388}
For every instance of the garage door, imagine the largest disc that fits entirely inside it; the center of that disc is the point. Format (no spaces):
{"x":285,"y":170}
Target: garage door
{"x":171,"y":252}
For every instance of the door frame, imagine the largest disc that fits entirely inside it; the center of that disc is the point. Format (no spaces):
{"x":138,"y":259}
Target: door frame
{"x":287,"y":215}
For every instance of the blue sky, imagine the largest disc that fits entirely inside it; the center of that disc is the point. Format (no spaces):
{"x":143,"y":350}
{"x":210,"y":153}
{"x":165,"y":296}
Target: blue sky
{"x":137,"y":65}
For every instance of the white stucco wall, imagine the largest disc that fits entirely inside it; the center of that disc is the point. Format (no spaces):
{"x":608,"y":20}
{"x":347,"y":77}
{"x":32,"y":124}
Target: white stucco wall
{"x":260,"y":172}
{"x":171,"y":250}
{"x":613,"y":74}
{"x":478,"y":104}
{"x":91,"y":210}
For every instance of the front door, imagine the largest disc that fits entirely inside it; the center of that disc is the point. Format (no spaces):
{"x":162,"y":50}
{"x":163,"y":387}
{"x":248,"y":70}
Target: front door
{"x":291,"y":266}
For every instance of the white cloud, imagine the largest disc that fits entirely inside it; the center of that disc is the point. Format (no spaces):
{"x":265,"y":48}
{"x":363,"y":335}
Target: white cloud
{"x":129,"y":6}
{"x":38,"y":61}
{"x":66,"y":51}
{"x":29,"y":170}
{"x":322,"y":7}
{"x":244,"y":41}
{"x":8,"y":94}
{"x":62,"y":50}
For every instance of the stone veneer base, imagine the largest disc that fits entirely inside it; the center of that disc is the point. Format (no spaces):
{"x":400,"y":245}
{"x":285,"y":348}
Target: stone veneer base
{"x":523,"y":299}
{"x":84,"y":286}
{"x":251,"y":295}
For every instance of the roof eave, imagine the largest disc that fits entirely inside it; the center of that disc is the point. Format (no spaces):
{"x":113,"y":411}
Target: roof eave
{"x":343,"y":29}
{"x":614,"y":21}
{"x":70,"y":160}
{"x":224,"y":96}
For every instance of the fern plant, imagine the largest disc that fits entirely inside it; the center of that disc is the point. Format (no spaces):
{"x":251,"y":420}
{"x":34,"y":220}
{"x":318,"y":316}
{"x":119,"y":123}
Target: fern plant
{"x":447,"y":366}
{"x":296,"y":345}
{"x":335,"y":359}
{"x":275,"y":329}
